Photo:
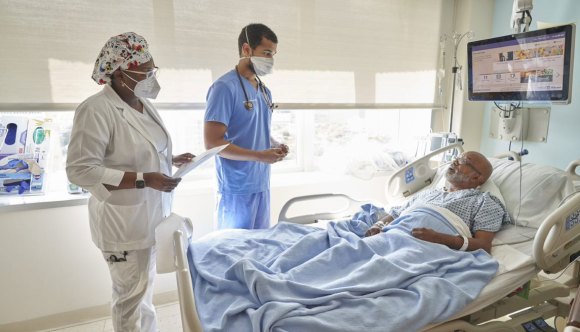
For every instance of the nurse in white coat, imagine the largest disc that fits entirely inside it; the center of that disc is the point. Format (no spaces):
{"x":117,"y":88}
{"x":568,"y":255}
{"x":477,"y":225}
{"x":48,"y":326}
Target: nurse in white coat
{"x":120,"y":152}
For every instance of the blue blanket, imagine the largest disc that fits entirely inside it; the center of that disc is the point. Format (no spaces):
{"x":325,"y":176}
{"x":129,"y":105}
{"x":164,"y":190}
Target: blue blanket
{"x":298,"y":278}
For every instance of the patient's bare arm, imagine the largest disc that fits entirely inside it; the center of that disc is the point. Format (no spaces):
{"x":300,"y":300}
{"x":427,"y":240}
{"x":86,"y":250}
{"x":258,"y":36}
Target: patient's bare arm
{"x":481,"y":239}
{"x":378,"y":226}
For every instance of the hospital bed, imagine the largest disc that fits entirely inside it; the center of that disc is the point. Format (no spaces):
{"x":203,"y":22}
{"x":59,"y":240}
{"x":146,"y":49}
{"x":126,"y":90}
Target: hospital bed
{"x":544,"y":239}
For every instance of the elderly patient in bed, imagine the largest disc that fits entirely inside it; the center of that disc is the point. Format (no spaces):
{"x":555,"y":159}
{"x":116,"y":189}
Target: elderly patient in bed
{"x":481,"y":212}
{"x":298,"y":278}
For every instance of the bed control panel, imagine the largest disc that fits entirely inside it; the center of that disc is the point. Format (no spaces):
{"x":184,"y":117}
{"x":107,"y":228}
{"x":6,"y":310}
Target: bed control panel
{"x":537,"y":325}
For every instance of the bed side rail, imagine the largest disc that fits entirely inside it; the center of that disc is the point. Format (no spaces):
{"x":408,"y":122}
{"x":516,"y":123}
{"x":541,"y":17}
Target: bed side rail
{"x":189,"y":317}
{"x":353,"y":206}
{"x":415,"y":176}
{"x":558,"y":238}
{"x":571,"y":170}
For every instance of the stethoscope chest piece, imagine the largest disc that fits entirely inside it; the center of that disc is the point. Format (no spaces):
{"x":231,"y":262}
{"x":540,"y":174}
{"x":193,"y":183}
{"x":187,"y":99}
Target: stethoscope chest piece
{"x":248,"y":104}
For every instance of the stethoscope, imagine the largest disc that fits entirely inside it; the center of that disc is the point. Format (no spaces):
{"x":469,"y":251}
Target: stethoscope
{"x":248,"y":104}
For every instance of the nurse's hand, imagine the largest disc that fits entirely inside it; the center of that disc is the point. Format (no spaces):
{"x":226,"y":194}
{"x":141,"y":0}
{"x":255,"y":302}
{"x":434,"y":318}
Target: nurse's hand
{"x":271,"y":156}
{"x":182,"y":159}
{"x":160,"y":181}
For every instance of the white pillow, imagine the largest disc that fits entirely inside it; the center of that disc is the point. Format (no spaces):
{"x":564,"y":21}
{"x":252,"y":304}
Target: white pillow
{"x":490,"y":187}
{"x":542,"y":190}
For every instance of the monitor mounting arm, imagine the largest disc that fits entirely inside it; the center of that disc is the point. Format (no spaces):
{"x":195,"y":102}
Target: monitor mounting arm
{"x":521,"y":17}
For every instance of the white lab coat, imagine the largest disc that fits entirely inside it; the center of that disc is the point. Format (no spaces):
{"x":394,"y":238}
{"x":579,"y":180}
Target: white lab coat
{"x":108,"y":139}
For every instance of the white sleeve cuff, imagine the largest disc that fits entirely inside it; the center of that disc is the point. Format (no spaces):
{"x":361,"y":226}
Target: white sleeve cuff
{"x":112,"y":177}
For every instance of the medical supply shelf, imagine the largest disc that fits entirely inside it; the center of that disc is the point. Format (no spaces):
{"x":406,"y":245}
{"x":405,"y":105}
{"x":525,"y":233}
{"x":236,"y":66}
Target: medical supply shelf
{"x":11,"y":203}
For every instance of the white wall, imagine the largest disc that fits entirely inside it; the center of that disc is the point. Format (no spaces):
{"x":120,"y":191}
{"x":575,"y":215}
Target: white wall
{"x":476,"y":16}
{"x":50,"y":265}
{"x":462,"y":16}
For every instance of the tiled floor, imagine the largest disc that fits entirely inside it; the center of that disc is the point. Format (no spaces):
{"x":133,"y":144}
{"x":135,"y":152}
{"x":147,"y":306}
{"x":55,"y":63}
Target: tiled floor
{"x":168,"y":320}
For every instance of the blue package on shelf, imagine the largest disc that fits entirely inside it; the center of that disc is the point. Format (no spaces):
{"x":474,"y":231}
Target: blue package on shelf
{"x":20,"y":174}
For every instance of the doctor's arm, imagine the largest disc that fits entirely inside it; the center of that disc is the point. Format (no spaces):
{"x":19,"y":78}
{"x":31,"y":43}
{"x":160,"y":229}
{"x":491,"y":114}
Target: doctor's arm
{"x":155,"y":180}
{"x":214,"y":133}
{"x":90,"y":138}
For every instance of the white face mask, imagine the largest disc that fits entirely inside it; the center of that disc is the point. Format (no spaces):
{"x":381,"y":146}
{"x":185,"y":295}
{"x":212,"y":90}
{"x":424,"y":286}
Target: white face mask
{"x":262,"y":66}
{"x":147,"y":88}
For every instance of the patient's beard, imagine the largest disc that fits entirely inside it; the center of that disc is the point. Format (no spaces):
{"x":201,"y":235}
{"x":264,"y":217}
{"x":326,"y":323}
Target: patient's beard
{"x":456,"y":178}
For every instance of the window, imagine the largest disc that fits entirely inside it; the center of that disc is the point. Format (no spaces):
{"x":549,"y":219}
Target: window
{"x":337,"y":60}
{"x":364,"y":142}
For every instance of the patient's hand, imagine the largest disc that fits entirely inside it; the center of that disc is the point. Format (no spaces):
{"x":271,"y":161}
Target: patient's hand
{"x":379,"y":225}
{"x":452,"y":241}
{"x":374,"y":230}
{"x":427,"y":234}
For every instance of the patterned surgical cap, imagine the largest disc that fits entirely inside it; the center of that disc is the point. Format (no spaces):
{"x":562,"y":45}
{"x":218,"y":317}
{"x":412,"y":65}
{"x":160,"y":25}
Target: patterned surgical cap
{"x":126,"y":51}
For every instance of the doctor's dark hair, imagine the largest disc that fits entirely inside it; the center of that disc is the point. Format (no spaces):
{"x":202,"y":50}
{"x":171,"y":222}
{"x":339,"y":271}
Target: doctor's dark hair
{"x":255,"y":33}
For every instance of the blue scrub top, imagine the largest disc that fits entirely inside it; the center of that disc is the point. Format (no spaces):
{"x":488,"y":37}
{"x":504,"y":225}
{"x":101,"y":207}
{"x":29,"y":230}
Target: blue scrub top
{"x":247,"y":129}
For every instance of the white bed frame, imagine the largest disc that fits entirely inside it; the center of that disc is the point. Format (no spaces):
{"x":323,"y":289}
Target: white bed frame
{"x":552,"y":248}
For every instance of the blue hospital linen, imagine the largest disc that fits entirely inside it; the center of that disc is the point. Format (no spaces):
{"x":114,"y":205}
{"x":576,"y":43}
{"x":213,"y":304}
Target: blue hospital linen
{"x":479,"y":210}
{"x":247,"y":129}
{"x":247,"y":211}
{"x":298,"y":278}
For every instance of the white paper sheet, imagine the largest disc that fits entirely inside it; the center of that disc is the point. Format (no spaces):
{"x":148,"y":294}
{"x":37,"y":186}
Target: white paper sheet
{"x":198,"y":160}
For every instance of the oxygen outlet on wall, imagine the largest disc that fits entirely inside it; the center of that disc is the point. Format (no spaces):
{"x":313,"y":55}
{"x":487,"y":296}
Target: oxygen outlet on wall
{"x":513,"y":126}
{"x":528,"y":124}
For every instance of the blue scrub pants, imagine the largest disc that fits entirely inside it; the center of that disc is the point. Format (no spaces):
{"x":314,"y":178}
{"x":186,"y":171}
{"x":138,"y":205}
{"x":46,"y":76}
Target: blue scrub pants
{"x":248,"y":211}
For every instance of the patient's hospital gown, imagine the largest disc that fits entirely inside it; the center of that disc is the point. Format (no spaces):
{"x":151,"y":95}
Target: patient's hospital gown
{"x":479,"y":210}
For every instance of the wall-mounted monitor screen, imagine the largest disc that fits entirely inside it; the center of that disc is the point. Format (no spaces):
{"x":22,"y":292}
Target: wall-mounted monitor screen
{"x":534,"y":65}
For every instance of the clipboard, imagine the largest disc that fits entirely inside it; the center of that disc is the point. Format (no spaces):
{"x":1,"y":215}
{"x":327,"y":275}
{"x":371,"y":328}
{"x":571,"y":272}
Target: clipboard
{"x":198,"y":160}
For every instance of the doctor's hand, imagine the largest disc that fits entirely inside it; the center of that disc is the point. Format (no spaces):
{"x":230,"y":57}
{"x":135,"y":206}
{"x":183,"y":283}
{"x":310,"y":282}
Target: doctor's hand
{"x":271,"y":156}
{"x":160,"y":181}
{"x":182,"y":159}
{"x":284,"y":149}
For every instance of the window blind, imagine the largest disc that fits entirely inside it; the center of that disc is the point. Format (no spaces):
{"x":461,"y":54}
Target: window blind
{"x":329,"y":51}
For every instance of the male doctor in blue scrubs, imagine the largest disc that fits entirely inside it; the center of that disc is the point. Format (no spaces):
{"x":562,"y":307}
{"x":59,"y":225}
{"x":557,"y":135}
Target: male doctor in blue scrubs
{"x":239,"y":112}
